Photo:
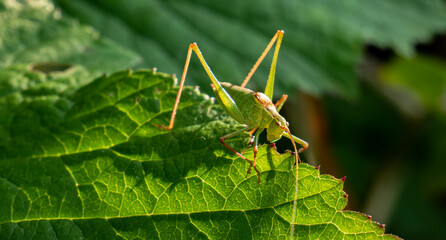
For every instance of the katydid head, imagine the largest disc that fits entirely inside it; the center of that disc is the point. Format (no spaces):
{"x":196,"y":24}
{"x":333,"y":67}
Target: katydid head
{"x":276,"y":128}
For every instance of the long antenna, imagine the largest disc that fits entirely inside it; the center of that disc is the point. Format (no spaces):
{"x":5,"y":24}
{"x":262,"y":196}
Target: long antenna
{"x":296,"y":156}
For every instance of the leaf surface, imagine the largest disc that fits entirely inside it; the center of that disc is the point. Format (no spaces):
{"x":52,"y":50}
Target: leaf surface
{"x":105,"y":171}
{"x":44,"y":57}
{"x":36,"y":33}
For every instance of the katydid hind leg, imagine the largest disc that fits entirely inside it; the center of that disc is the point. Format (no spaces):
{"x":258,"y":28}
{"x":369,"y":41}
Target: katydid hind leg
{"x":226,"y":100}
{"x":276,"y":36}
{"x":269,"y":90}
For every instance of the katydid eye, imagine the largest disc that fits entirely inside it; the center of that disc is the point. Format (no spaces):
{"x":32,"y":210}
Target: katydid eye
{"x":278,"y":124}
{"x":262,"y":98}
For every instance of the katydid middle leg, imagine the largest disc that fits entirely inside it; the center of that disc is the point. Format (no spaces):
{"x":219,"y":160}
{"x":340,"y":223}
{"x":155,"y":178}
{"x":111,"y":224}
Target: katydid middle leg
{"x":255,"y":150}
{"x":280,"y":102}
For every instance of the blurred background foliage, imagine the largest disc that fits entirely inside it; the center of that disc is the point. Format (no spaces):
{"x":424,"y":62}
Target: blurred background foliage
{"x":366,"y":79}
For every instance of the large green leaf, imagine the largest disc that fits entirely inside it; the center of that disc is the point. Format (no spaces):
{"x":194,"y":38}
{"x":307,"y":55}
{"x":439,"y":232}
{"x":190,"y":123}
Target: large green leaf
{"x":105,"y":171}
{"x":44,"y":57}
{"x":322,"y":46}
{"x":34,"y":32}
{"x":30,"y":99}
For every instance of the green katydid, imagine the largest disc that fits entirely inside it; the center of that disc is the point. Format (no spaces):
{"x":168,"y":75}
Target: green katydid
{"x":253,"y":109}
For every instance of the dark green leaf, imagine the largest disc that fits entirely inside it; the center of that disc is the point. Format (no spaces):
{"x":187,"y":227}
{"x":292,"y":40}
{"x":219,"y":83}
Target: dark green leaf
{"x":34,"y":32}
{"x":322,"y":46}
{"x":416,"y":84}
{"x":44,"y":57}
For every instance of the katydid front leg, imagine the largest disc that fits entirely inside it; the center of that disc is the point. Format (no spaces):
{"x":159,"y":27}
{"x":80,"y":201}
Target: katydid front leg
{"x":298,"y":140}
{"x":301,"y":142}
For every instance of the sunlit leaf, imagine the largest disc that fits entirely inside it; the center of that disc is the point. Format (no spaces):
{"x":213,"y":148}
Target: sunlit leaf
{"x":105,"y":171}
